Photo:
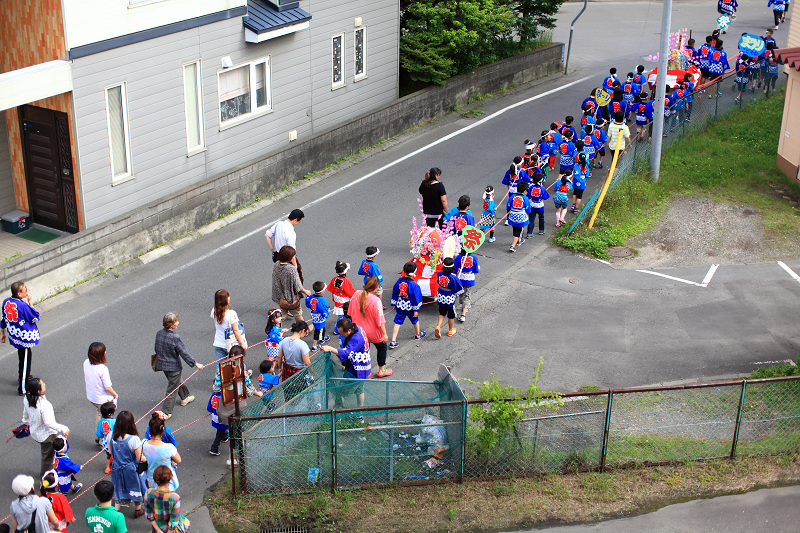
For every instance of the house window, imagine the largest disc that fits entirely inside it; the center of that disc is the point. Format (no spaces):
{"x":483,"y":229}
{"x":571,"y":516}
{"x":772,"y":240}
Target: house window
{"x":245,"y":91}
{"x":118,"y":134}
{"x":360,"y":55}
{"x":337,"y":79}
{"x":193,"y":101}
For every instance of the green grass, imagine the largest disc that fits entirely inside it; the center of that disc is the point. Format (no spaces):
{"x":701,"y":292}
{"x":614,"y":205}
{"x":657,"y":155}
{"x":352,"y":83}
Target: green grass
{"x":733,"y":161}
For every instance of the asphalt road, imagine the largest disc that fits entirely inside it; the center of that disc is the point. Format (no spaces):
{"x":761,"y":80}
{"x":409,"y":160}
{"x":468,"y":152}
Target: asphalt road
{"x":620,"y":328}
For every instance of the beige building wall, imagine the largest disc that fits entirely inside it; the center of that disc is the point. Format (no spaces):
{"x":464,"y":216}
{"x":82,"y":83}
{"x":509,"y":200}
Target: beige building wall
{"x":789,"y":143}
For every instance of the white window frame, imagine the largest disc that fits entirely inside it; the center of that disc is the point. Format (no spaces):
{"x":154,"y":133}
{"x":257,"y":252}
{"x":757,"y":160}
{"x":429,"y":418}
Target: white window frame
{"x":191,"y":150}
{"x":116,"y":180}
{"x":254,"y":111}
{"x":341,"y":83}
{"x":363,"y":74}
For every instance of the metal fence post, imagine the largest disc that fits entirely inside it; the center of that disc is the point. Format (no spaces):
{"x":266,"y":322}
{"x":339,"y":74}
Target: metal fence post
{"x":232,"y":436}
{"x":333,"y":450}
{"x":738,"y":420}
{"x":463,"y":439}
{"x":606,"y":426}
{"x":716,"y":99}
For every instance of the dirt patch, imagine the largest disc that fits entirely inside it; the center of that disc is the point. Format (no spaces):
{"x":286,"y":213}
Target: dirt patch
{"x":699,"y":231}
{"x":505,"y":504}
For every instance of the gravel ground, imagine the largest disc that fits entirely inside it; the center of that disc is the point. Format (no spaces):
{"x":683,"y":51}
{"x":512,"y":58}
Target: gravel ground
{"x":697,"y":231}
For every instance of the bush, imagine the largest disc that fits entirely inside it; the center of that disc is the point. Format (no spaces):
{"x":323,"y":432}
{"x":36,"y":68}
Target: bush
{"x":777,"y":371}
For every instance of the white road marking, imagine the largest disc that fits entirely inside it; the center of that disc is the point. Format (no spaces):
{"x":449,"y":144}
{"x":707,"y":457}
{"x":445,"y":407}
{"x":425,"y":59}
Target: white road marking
{"x":789,"y":270}
{"x":602,"y":261}
{"x":703,"y":284}
{"x":264,"y":228}
{"x":709,"y":275}
{"x":775,"y":362}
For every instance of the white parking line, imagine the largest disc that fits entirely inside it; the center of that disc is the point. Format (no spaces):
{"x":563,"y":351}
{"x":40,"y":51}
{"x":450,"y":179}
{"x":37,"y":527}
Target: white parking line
{"x":703,"y":284}
{"x":263,"y":228}
{"x":789,"y":270}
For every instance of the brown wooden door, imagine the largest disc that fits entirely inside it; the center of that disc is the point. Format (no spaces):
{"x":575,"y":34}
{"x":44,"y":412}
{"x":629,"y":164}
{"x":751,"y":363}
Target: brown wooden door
{"x":48,"y":167}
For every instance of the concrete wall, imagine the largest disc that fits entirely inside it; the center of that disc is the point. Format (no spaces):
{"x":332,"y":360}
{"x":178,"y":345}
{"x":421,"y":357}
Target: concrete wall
{"x":69,"y":259}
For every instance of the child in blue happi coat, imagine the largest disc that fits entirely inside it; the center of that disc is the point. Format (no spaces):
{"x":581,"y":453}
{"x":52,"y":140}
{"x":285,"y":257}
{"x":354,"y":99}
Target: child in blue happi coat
{"x":274,"y":333}
{"x":320,"y":312}
{"x":537,"y":194}
{"x":406,"y":301}
{"x":561,"y":197}
{"x":466,"y":266}
{"x":463,"y":217}
{"x":106,"y":426}
{"x":448,"y":287}
{"x":369,"y":268}
{"x":518,"y":208}
{"x":267,"y":379}
{"x":214,"y":403}
{"x":579,"y":175}
{"x":65,"y":467}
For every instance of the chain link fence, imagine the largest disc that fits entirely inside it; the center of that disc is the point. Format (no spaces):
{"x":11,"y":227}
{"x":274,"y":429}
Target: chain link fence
{"x":435,"y":440}
{"x":708,"y":105}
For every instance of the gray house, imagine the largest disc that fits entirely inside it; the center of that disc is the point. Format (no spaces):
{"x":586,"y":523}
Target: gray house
{"x":151,"y":96}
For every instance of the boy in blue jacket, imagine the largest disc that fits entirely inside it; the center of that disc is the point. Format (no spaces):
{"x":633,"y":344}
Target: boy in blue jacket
{"x":320,"y":311}
{"x":518,"y":207}
{"x":566,"y":152}
{"x":537,"y":194}
{"x":466,"y":266}
{"x":579,"y":175}
{"x":369,"y":268}
{"x":406,"y":301}
{"x":448,"y":287}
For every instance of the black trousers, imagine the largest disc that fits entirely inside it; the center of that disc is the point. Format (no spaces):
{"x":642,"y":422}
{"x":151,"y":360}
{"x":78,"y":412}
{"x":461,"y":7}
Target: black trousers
{"x":25,"y":357}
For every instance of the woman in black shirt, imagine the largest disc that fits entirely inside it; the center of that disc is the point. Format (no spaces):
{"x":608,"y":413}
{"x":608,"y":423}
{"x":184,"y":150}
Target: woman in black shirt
{"x":434,"y":198}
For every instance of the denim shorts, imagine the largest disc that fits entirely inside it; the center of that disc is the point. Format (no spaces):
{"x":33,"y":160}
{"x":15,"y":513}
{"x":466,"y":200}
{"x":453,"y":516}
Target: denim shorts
{"x":560,"y":205}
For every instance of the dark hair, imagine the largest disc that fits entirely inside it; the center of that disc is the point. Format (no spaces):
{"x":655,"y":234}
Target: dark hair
{"x":432,"y":175}
{"x":156,"y":425}
{"x":52,"y":482}
{"x":463,"y":202}
{"x":589,"y":128}
{"x":236,"y":350}
{"x":97,"y":353}
{"x":582,"y":158}
{"x":690,"y":43}
{"x":266,"y":366}
{"x":104,"y":491}
{"x":612,"y":70}
{"x":630,"y":75}
{"x":371,"y":250}
{"x":619,"y":116}
{"x":616,"y":84}
{"x":409,"y":268}
{"x":221,"y":298}
{"x":340,"y":265}
{"x":618,"y":94}
{"x":521,"y":187}
{"x":286,"y":254}
{"x":162,"y":475}
{"x":297,"y":327}
{"x":108,"y":409}
{"x":347,"y":326}
{"x":125,"y":425}
{"x":577,"y":143}
{"x":564,"y":180}
{"x":318,"y":286}
{"x":346,"y":308}
{"x":719,"y":44}
{"x":517,"y":160}
{"x":568,"y":119}
{"x":512,"y":170}
{"x":296,"y":214}
{"x":709,"y":38}
{"x":448,"y":264}
{"x":568,"y":134}
{"x":16,"y":287}
{"x":59,"y":443}
{"x":639,"y":68}
{"x":33,"y":389}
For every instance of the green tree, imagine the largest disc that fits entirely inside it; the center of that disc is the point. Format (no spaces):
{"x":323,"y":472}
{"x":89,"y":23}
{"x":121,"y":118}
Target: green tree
{"x":441,"y":38}
{"x":532,"y":15}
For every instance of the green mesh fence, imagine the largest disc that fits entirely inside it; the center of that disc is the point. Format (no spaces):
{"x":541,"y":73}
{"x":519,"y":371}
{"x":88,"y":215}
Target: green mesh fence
{"x":421,"y":432}
{"x":707,"y":106}
{"x":341,"y":432}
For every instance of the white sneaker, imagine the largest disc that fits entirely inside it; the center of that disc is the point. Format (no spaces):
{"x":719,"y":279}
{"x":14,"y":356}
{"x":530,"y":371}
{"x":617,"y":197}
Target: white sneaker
{"x":235,"y":462}
{"x":187,"y":401}
{"x":512,"y":249}
{"x":505,"y":223}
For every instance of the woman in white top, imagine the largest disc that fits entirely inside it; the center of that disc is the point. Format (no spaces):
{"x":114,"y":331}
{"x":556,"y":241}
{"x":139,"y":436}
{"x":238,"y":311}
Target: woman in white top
{"x":98,"y":379}
{"x":38,"y":414}
{"x":226,"y":322}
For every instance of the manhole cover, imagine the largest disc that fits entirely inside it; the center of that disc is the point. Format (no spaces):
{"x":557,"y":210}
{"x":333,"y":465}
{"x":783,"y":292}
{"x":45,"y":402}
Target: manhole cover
{"x":619,"y":251}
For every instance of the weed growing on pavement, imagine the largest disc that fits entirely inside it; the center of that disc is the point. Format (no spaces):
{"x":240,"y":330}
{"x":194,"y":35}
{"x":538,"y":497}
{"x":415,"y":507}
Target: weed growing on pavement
{"x":732,"y":161}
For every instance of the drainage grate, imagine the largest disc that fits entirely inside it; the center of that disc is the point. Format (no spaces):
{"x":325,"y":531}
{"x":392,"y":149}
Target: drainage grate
{"x":287,"y":529}
{"x":619,"y":251}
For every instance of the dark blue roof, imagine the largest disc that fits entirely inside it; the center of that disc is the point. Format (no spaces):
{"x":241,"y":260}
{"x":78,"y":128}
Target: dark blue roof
{"x":262,"y":17}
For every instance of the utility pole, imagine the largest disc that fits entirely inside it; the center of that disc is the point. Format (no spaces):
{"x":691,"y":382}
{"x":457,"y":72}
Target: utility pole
{"x":571,"y":29}
{"x":661,"y":92}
